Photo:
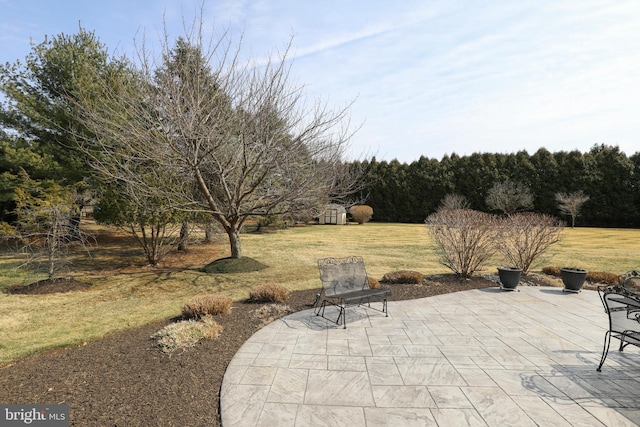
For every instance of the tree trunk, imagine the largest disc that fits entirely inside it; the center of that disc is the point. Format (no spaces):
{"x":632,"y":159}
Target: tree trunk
{"x":184,"y":236}
{"x":208,"y":232}
{"x":234,"y":242}
{"x":74,"y":227}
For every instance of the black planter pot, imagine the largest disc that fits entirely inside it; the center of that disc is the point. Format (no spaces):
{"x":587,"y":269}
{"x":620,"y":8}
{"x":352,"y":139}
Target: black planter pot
{"x":573,"y":278}
{"x":509,"y":277}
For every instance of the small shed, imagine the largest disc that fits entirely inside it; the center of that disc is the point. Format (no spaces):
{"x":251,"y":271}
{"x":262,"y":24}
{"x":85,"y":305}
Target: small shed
{"x":333,"y":214}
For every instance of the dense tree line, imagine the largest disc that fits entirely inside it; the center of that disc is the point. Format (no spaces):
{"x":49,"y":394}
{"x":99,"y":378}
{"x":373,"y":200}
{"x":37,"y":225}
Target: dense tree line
{"x":401,"y":192}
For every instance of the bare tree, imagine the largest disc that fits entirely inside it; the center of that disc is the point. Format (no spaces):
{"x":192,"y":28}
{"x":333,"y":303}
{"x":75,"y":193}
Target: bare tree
{"x":509,"y":197}
{"x":454,"y":201}
{"x":571,"y":203}
{"x":205,"y":132}
{"x":526,"y":236}
{"x":465,"y":238}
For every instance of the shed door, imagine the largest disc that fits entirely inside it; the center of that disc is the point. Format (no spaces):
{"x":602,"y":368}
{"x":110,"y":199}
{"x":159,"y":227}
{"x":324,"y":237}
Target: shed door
{"x":331,"y":216}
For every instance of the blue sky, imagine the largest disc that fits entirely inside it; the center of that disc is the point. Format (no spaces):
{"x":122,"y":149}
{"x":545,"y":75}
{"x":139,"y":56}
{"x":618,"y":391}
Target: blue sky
{"x":428,"y":77}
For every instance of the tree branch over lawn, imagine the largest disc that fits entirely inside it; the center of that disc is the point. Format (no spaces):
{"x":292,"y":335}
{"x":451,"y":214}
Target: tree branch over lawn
{"x":206,"y":132}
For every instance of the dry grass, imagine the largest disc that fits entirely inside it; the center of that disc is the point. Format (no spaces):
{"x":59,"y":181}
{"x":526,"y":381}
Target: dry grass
{"x":269,"y":292}
{"x":126,"y":294}
{"x":186,"y":333}
{"x":207,"y":305}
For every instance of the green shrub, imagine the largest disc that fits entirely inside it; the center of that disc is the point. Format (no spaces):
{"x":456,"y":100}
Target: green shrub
{"x":207,"y":305}
{"x":270,"y":292}
{"x":403,"y":276}
{"x":186,"y":333}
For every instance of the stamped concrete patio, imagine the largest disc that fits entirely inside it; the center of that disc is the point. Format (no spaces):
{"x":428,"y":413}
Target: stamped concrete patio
{"x":475,"y":358}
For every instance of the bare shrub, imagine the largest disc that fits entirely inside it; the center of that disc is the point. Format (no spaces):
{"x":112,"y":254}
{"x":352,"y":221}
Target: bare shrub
{"x":270,"y":292}
{"x":184,"y":334}
{"x":403,"y":276}
{"x":464,"y":238}
{"x":207,"y":305}
{"x":525,"y":237}
{"x":361,"y":213}
{"x":373,"y":282}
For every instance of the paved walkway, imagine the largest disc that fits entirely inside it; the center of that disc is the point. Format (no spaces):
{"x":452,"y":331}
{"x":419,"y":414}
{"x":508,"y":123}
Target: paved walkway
{"x":475,"y":358}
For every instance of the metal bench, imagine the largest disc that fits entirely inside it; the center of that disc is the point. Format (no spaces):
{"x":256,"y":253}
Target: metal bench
{"x":623,"y":308}
{"x":344,"y":284}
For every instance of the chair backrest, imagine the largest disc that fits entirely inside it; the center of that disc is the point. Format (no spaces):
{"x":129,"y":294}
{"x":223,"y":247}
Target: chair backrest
{"x":340,"y":275}
{"x":630,"y":279}
{"x":623,"y":308}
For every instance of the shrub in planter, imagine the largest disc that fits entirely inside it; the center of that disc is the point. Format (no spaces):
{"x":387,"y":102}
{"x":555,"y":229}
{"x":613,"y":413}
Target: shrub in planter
{"x":270,"y":292}
{"x":207,"y":305}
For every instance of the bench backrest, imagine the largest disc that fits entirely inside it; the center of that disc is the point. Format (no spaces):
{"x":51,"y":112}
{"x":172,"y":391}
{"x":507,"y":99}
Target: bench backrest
{"x":341,"y":275}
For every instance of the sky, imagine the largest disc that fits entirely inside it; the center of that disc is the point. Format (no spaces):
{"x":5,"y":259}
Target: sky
{"x":426,"y":77}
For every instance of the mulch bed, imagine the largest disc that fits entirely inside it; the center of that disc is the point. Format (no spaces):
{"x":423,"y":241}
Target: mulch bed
{"x":125,"y":380}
